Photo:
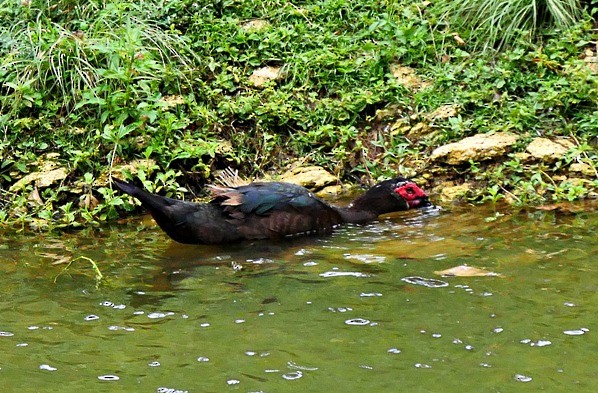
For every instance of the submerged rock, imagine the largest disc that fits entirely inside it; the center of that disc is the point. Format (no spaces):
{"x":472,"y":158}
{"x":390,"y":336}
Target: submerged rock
{"x":480,"y":147}
{"x":546,"y":150}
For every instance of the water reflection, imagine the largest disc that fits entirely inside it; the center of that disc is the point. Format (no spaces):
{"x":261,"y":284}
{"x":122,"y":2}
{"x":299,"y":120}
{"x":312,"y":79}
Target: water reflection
{"x":357,"y":309}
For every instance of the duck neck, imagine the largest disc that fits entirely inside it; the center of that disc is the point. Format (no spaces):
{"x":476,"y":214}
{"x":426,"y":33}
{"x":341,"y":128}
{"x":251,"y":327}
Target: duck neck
{"x":359,"y":212}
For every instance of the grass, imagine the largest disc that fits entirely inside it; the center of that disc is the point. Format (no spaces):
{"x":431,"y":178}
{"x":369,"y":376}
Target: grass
{"x":164,"y":94}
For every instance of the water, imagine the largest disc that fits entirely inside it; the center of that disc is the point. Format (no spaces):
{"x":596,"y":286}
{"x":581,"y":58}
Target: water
{"x":361,"y":310}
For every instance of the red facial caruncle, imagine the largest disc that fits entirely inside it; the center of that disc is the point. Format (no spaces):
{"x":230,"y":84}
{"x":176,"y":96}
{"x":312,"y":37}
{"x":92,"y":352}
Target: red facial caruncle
{"x":411,"y":193}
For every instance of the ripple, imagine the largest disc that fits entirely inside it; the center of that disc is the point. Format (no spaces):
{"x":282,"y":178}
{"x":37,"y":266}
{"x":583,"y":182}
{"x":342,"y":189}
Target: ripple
{"x":357,"y":322}
{"x":366,"y":258}
{"x":299,"y":367}
{"x":108,"y":377}
{"x":6,"y":334}
{"x":125,"y":328}
{"x":154,"y":364}
{"x":292,"y":375}
{"x":91,"y":317}
{"x":170,"y":390}
{"x":233,"y":382}
{"x":370,"y":294}
{"x":157,"y":315}
{"x":576,"y":332}
{"x":522,"y":378}
{"x":47,"y":367}
{"x":426,"y":282}
{"x":422,"y":365}
{"x":394,"y":350}
{"x":343,"y":274}
{"x":203,"y":359}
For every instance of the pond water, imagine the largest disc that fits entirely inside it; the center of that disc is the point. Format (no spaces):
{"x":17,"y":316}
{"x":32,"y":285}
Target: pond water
{"x":362,"y":310}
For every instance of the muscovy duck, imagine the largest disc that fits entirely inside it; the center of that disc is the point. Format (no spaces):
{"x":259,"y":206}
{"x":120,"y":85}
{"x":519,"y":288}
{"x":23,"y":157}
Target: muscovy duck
{"x":270,"y":210}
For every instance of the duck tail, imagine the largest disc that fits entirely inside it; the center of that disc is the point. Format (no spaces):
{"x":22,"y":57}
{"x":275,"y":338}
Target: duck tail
{"x":155,"y":203}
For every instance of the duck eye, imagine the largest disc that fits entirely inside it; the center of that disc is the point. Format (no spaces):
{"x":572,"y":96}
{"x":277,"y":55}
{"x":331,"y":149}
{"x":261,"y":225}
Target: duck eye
{"x":410,"y":190}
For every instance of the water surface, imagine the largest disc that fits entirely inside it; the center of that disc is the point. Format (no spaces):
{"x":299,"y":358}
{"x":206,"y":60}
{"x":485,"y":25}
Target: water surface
{"x":362,"y":310}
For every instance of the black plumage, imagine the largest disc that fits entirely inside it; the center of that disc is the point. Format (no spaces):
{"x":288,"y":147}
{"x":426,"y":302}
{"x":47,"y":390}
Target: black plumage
{"x":269,"y":210}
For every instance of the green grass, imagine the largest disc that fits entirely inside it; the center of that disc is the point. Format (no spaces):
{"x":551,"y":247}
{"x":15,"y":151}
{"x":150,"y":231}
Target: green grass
{"x":103,"y":84}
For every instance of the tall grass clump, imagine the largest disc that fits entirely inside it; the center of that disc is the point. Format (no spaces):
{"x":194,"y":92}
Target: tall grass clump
{"x":498,"y":24}
{"x":78,"y":54}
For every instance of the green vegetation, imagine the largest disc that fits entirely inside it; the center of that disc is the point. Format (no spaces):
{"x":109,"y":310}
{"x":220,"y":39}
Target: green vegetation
{"x":164,"y":92}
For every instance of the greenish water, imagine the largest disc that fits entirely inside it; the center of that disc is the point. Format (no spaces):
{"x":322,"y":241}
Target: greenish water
{"x":338,"y":314}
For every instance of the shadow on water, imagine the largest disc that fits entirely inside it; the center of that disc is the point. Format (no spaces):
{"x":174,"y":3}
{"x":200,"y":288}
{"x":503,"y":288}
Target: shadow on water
{"x":363,"y":309}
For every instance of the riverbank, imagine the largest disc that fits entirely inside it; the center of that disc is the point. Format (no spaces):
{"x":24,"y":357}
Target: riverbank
{"x":170,"y":94}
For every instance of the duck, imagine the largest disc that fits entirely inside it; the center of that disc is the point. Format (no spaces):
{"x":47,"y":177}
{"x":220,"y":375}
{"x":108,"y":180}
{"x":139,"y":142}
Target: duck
{"x":270,"y":210}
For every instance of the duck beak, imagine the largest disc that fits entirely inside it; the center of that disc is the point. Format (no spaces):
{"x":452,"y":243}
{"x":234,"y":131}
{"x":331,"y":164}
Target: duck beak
{"x":422,"y":201}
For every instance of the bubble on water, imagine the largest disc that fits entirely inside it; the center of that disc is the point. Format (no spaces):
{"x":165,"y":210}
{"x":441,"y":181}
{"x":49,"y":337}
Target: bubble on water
{"x":106,"y":304}
{"x":47,"y":367}
{"x":91,"y":317}
{"x":522,"y":378}
{"x":154,"y":364}
{"x":292,"y":375}
{"x":170,"y":390}
{"x":22,"y":345}
{"x":233,"y":382}
{"x":542,"y":343}
{"x":205,"y":324}
{"x":108,"y":377}
{"x":498,"y":330}
{"x":366,"y":367}
{"x":310,"y":263}
{"x":436,"y":335}
{"x":457,"y":341}
{"x":426,"y":282}
{"x":6,"y":334}
{"x":422,"y":365}
{"x":203,"y":359}
{"x":343,"y":274}
{"x":33,"y":327}
{"x":271,"y":370}
{"x":525,"y":341}
{"x":119,"y":307}
{"x":569,"y":304}
{"x":157,"y":315}
{"x":372,"y":294}
{"x":357,"y":321}
{"x":576,"y":332}
{"x":340,"y":309}
{"x":469,"y":347}
{"x":250,"y":353}
{"x":485,"y":365}
{"x":394,"y":350}
{"x":239,"y":321}
{"x":139,"y":312}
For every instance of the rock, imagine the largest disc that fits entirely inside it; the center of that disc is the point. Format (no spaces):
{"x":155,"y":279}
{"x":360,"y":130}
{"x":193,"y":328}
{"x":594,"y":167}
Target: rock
{"x":479,"y":147}
{"x":408,"y":77}
{"x":584,"y":169}
{"x":449,"y":192}
{"x":42,"y":179}
{"x":263,"y":75}
{"x":255,"y":25}
{"x":445,"y":112}
{"x":546,"y":150}
{"x":312,"y":177}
